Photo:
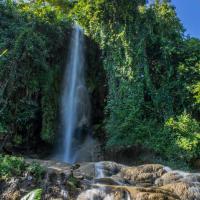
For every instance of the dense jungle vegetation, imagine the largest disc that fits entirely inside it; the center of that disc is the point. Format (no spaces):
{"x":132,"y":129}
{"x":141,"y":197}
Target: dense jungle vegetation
{"x":152,"y":73}
{"x":32,"y":50}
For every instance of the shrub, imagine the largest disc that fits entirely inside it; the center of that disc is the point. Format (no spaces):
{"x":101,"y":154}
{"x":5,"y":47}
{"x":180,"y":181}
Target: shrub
{"x":36,"y":170}
{"x":181,"y":138}
{"x":16,"y":166}
{"x":10,"y":165}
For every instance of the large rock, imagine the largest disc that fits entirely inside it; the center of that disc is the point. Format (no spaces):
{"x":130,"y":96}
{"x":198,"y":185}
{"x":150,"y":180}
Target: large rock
{"x":144,"y":175}
{"x":177,"y":176}
{"x":151,"y":194}
{"x":111,"y":168}
{"x":167,"y":178}
{"x":87,"y":170}
{"x":184,"y":190}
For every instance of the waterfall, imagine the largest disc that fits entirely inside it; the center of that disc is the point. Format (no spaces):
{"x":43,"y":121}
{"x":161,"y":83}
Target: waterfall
{"x":99,"y":170}
{"x":75,"y":106}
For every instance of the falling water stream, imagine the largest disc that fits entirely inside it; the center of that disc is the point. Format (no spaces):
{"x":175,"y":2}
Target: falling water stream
{"x":99,"y":170}
{"x":75,"y":104}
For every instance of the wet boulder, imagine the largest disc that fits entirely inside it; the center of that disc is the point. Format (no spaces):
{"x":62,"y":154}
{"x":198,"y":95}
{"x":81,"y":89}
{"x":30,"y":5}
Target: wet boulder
{"x":86,"y":170}
{"x":184,"y":190}
{"x":144,"y":175}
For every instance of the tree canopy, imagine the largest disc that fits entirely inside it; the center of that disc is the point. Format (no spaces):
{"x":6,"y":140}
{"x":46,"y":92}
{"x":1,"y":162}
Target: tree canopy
{"x":152,"y":72}
{"x":153,"y":75}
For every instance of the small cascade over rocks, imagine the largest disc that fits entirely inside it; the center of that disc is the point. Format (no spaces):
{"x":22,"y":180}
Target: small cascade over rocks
{"x":101,"y":187}
{"x":96,"y":193}
{"x":99,"y":170}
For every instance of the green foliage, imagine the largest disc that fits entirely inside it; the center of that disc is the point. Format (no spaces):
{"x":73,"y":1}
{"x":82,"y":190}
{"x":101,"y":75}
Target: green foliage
{"x":33,"y":195}
{"x":32,"y":48}
{"x":36,"y":170}
{"x":179,"y":139}
{"x":16,"y":166}
{"x":50,"y":110}
{"x":11,"y":166}
{"x":185,"y":137}
{"x":2,"y":129}
{"x":152,"y":72}
{"x":196,"y":92}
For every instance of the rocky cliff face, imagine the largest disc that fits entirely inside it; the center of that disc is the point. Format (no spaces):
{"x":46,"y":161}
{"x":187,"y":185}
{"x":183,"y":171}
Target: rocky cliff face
{"x":117,"y":182}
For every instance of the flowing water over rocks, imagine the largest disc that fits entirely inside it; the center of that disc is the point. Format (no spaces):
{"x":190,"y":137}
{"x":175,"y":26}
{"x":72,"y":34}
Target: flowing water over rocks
{"x":119,"y":182}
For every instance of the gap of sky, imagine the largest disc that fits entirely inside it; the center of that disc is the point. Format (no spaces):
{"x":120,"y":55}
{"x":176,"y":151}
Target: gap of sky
{"x":188,"y":12}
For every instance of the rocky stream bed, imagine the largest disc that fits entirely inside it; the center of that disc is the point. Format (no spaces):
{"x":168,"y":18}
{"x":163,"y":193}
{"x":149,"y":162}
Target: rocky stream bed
{"x":103,"y":181}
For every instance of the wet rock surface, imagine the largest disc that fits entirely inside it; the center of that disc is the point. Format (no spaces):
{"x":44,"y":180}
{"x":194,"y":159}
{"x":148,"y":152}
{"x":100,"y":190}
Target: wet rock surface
{"x":117,"y":182}
{"x":144,"y":175}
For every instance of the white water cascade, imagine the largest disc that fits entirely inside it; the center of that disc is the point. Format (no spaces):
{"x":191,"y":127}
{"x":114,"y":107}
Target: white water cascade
{"x":101,"y":191}
{"x":75,"y":106}
{"x":99,"y":170}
